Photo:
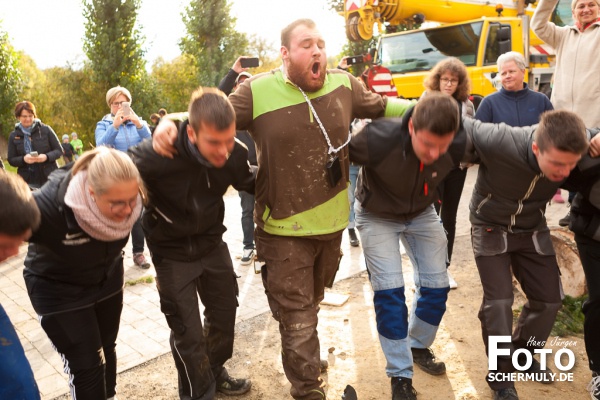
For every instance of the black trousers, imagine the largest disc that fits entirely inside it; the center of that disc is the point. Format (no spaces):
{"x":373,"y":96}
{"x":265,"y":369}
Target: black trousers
{"x":533,"y":262}
{"x":199,"y":352}
{"x":86,"y":340}
{"x":589,"y":252}
{"x":449,"y":192}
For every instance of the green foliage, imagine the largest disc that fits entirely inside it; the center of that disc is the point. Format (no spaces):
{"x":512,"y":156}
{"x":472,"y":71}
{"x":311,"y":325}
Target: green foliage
{"x":569,"y":320}
{"x":143,"y":279}
{"x":10,"y":83}
{"x":211,"y":39}
{"x":177,"y":80}
{"x":113,"y":45}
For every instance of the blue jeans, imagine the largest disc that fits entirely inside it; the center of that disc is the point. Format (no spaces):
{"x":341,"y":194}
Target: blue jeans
{"x":247,"y":203}
{"x":353,"y":175}
{"x":425,"y":242}
{"x":16,"y":377}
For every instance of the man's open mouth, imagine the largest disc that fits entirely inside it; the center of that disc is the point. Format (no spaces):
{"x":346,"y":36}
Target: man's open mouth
{"x":316,"y":68}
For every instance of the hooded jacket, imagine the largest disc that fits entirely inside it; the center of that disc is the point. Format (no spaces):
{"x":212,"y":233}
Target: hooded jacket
{"x":44,"y":141}
{"x":184,"y":217}
{"x":65,"y":268}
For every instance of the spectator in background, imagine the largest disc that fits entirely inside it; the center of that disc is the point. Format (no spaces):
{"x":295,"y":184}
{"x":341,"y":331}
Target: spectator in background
{"x":450,"y":76}
{"x":155,"y":119}
{"x":19,"y":217}
{"x":234,"y":78}
{"x":77,"y":145}
{"x":33,"y":147}
{"x":162,"y":112}
{"x":74,"y":264}
{"x":575,"y":80}
{"x":122,"y":129}
{"x":68,"y":150}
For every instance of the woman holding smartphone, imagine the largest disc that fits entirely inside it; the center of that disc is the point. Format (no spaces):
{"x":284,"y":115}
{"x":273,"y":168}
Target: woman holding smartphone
{"x":74,"y":264}
{"x":33,"y":147}
{"x":122,"y":129}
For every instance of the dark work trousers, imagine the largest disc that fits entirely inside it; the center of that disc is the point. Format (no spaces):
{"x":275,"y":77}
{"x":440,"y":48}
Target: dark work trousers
{"x":589,"y":252}
{"x":449,"y":192}
{"x":295,"y":274}
{"x":199,"y":353}
{"x":534,"y":265}
{"x":247,"y":203}
{"x":86,"y":340}
{"x":137,"y":237}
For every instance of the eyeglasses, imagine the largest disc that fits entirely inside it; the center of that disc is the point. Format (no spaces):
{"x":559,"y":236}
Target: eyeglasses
{"x":120,"y":206}
{"x":117,"y":103}
{"x":446,"y":81}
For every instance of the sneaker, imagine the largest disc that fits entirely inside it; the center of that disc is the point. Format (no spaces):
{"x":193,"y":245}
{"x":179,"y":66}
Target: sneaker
{"x":140,"y":261}
{"x":354,"y":242}
{"x":594,"y":386}
{"x":452,"y":282}
{"x":425,"y":359}
{"x":247,"y":257}
{"x":323,"y":365}
{"x":564,"y":221}
{"x":231,"y":386}
{"x":506,"y":394}
{"x":402,"y":389}
{"x":557,"y":198}
{"x":349,"y":393}
{"x":541,"y":375}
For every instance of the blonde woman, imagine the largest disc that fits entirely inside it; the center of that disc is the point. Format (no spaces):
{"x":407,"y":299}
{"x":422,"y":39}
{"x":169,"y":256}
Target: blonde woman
{"x":74,"y":265}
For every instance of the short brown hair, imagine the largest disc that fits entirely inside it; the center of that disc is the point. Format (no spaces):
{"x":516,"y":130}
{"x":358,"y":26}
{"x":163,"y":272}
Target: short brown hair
{"x":286,"y":33}
{"x":562,"y":130}
{"x":25,"y":105}
{"x":19,"y":211}
{"x":456,"y":67}
{"x":438,"y":113}
{"x":210,"y":106}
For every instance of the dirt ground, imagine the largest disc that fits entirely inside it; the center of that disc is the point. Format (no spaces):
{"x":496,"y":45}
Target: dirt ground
{"x":356,"y":358}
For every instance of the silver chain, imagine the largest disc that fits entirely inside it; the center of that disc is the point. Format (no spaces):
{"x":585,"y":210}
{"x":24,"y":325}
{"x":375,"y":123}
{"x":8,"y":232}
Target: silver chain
{"x":331,"y":150}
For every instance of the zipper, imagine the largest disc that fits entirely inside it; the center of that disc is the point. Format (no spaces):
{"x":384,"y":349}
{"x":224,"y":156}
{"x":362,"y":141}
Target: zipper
{"x":482,"y":203}
{"x":513,"y":217}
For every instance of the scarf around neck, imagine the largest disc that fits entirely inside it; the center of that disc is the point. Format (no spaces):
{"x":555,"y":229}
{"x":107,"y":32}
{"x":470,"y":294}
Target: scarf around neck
{"x":90,"y":218}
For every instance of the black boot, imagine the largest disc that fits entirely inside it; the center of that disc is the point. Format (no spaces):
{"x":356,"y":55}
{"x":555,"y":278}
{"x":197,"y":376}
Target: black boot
{"x":354,"y":242}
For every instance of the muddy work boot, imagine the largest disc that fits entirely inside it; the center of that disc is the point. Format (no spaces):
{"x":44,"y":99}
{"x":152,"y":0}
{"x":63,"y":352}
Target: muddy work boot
{"x":402,"y":389}
{"x":230,"y":386}
{"x":506,"y":394}
{"x":425,"y":359}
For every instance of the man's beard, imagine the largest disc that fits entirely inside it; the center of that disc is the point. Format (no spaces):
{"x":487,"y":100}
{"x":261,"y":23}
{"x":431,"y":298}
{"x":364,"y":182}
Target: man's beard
{"x":302,"y":78}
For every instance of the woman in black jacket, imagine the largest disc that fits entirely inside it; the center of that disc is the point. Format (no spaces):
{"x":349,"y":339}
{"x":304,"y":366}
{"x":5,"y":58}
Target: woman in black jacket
{"x":33,"y":146}
{"x":74,"y":264}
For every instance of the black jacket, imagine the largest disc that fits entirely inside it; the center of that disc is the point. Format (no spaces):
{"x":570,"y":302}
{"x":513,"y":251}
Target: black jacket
{"x":65,"y":268}
{"x":184,"y":217}
{"x":44,"y":141}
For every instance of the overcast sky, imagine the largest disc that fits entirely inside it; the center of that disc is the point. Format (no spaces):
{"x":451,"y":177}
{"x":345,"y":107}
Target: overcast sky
{"x":51,"y":31}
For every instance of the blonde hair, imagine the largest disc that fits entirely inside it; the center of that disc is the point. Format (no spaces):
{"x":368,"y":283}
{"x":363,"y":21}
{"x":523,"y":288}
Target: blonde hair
{"x":574,"y":3}
{"x":106,"y":167}
{"x":115,"y":92}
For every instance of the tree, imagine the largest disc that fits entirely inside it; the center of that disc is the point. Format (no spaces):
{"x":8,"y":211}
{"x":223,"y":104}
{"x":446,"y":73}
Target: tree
{"x":113,"y":45}
{"x":211,"y":39}
{"x":10,"y":83}
{"x":176,"y":79}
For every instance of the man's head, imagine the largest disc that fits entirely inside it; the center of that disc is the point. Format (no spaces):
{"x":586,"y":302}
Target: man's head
{"x":19,"y":215}
{"x":241,"y":78}
{"x":511,"y":67}
{"x":585,"y":11}
{"x":432,"y":126}
{"x":211,"y":125}
{"x":558,"y":143}
{"x":303,"y":54}
{"x":162,"y":112}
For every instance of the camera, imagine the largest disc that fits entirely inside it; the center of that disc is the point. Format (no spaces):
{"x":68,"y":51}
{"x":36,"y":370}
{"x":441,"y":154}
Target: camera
{"x":250,"y":62}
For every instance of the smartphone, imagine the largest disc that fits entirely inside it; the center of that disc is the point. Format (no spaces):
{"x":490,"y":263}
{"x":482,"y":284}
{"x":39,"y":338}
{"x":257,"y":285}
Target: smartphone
{"x":34,"y":154}
{"x":126,"y":107}
{"x":355,"y":60}
{"x":249,"y":62}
